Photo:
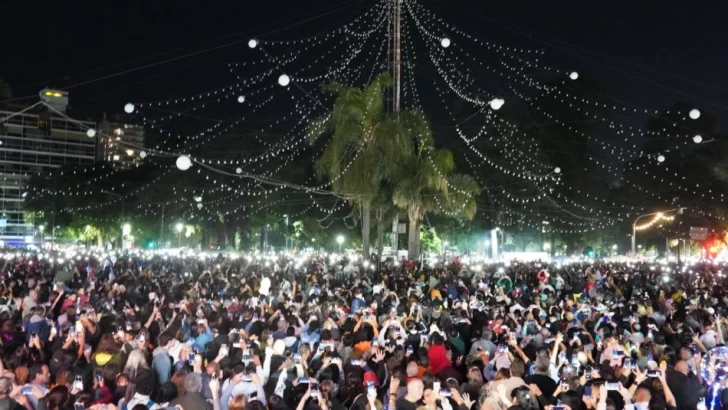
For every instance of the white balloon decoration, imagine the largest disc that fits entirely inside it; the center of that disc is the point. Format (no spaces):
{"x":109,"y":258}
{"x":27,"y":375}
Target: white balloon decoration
{"x":445,"y":42}
{"x":695,"y":113}
{"x":574,"y":75}
{"x":496,"y":103}
{"x":184,"y":162}
{"x":239,"y":170}
{"x":661,"y":158}
{"x":199,"y":206}
{"x":143,"y":154}
{"x":129,"y":108}
{"x":241,"y":99}
{"x":697,"y":139}
{"x":557,"y":170}
{"x":91,"y":132}
{"x":253,"y":43}
{"x":284,"y":80}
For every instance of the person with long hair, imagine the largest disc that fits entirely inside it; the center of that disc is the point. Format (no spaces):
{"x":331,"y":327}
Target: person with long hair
{"x":137,"y":361}
{"x":107,"y":352}
{"x":56,"y":399}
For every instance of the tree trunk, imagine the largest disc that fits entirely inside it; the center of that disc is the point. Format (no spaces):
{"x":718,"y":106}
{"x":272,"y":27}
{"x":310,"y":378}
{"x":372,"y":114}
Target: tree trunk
{"x":380,"y":235}
{"x":413,"y":239}
{"x":395,"y":234}
{"x":366,"y":211}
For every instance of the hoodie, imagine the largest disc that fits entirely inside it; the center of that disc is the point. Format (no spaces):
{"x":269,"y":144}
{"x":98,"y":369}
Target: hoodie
{"x":162,"y":364}
{"x":438,"y":359}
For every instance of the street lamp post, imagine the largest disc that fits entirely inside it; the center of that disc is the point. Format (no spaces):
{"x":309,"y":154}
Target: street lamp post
{"x":121,"y":244}
{"x":634,"y":226}
{"x":179,"y":228}
{"x":340,"y":240}
{"x":40,"y":228}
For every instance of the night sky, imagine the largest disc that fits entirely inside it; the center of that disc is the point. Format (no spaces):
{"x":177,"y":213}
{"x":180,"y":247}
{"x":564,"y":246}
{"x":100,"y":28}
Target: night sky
{"x":649,"y":54}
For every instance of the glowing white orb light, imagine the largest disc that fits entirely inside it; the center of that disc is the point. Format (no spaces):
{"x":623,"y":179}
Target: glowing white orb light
{"x":284,"y":80}
{"x":253,"y":43}
{"x":143,"y":154}
{"x":184,"y":162}
{"x":199,"y":206}
{"x":574,"y":75}
{"x":695,"y":113}
{"x":557,"y":170}
{"x":91,"y":132}
{"x":241,"y":99}
{"x":496,"y":103}
{"x":445,"y":42}
{"x":697,"y":139}
{"x":239,"y":170}
{"x":661,"y":158}
{"x":129,"y":108}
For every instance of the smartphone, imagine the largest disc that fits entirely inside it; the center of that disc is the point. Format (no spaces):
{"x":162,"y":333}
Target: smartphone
{"x":371,"y":388}
{"x":314,"y":390}
{"x":72,"y":332}
{"x":375,"y":341}
{"x":26,"y":391}
{"x":297,"y":358}
{"x":248,"y":378}
{"x":617,"y":354}
{"x":564,"y":386}
{"x":410,"y":349}
{"x":356,"y":362}
{"x":191,"y":357}
{"x":502,"y":348}
{"x":627,"y":362}
{"x":557,"y":408}
{"x":223,"y":350}
{"x":587,"y":391}
{"x":436,"y":386}
{"x":613,"y":386}
{"x":79,"y":406}
{"x":445,"y":393}
{"x":303,"y":379}
{"x":78,"y":383}
{"x":653,"y":373}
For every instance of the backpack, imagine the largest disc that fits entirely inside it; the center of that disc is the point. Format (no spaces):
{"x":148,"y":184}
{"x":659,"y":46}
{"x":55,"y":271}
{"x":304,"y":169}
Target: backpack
{"x":149,"y":405}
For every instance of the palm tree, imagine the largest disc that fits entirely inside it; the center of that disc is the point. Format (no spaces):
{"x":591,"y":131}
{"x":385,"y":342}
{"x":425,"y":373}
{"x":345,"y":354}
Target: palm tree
{"x":366,"y":144}
{"x":428,"y":184}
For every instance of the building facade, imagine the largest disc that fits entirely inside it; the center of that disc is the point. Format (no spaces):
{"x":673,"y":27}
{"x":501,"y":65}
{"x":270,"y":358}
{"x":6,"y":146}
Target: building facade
{"x":120,"y":143}
{"x":31,"y":143}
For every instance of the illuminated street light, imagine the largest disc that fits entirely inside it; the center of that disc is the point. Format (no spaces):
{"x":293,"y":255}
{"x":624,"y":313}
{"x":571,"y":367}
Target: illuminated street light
{"x":340,"y":240}
{"x":179,"y":228}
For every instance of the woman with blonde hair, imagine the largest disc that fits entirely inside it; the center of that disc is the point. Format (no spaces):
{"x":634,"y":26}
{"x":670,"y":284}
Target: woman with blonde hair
{"x":136,"y":361}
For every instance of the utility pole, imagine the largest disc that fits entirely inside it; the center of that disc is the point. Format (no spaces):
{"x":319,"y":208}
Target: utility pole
{"x":161,"y":230}
{"x":396,"y":88}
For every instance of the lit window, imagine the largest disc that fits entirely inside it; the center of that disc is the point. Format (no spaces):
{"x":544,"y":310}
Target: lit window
{"x":116,"y":157}
{"x":130,"y":152}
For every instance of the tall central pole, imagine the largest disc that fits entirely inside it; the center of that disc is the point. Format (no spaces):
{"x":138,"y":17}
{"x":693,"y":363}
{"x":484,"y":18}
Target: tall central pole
{"x":396,"y":85}
{"x":397,"y":51}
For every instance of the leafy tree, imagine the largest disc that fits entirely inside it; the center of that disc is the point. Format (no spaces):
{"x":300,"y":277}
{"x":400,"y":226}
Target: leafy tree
{"x":366,"y":146}
{"x":427,"y":183}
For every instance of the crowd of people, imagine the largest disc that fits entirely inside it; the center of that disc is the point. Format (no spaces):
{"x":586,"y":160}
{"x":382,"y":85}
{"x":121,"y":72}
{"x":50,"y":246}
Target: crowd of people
{"x":313,"y":333}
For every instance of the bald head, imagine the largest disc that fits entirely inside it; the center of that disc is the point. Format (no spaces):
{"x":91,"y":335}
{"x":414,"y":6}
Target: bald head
{"x":415,"y":389}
